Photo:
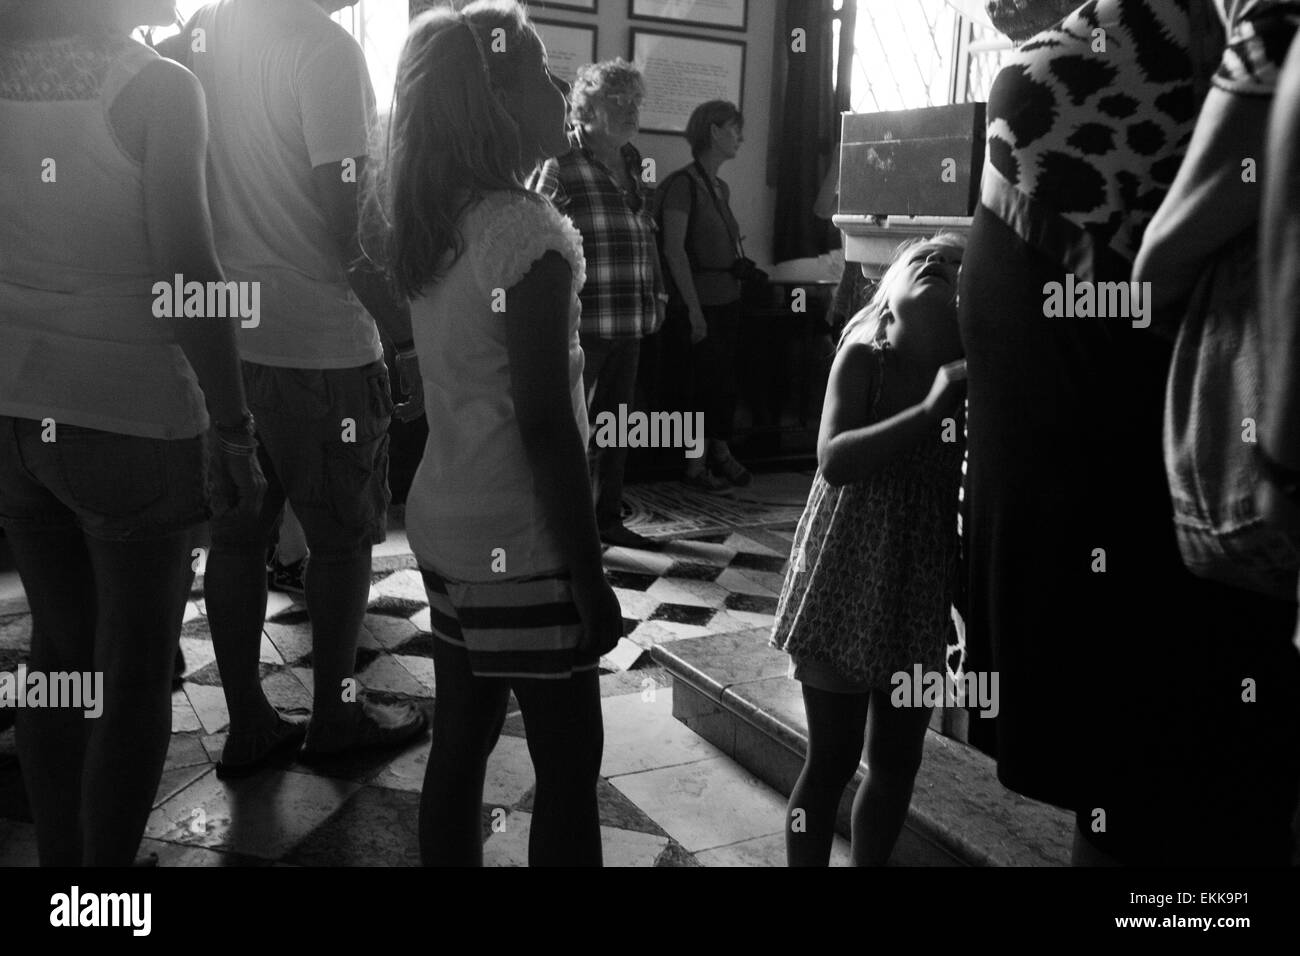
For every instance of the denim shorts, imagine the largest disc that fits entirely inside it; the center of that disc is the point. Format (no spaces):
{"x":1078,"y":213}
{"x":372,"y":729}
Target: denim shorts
{"x":324,"y":447}
{"x":114,"y":487}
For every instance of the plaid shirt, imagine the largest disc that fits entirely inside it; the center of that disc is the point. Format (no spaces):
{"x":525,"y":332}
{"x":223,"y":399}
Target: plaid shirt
{"x":618,"y":300}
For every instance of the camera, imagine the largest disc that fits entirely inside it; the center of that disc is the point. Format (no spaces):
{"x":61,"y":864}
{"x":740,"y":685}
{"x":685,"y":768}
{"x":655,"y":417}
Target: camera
{"x":746,"y":269}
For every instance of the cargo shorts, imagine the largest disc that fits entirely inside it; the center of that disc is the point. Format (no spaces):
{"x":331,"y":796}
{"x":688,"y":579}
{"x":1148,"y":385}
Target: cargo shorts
{"x":324,"y":448}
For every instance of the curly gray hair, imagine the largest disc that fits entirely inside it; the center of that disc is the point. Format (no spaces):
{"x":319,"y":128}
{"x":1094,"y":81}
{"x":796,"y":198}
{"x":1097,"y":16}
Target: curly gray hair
{"x":607,"y":78}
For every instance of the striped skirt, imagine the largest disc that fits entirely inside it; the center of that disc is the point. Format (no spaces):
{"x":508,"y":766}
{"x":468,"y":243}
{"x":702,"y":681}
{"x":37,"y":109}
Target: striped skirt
{"x":523,"y":627}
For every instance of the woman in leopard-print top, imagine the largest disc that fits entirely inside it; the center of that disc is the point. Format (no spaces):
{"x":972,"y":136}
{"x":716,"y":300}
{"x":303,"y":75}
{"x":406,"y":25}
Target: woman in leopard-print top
{"x":869,"y":589}
{"x":1120,"y":675}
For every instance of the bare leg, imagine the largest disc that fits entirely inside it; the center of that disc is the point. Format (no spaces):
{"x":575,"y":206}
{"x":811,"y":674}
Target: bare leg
{"x":895,"y":743}
{"x":235,"y":592}
{"x":566,"y":738}
{"x":467,"y":720}
{"x":835,"y":727}
{"x":338,"y":589}
{"x":60,"y":584}
{"x":141,"y":601}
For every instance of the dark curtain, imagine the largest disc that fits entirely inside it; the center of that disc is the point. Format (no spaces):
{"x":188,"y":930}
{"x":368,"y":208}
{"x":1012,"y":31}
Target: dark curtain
{"x":807,"y":130}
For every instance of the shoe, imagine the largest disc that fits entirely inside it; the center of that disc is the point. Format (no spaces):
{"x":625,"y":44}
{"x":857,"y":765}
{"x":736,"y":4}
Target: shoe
{"x":252,"y":753}
{"x":621,"y":537}
{"x":707,"y":482}
{"x":287,"y":577}
{"x":379,"y":727}
{"x":733,"y":471}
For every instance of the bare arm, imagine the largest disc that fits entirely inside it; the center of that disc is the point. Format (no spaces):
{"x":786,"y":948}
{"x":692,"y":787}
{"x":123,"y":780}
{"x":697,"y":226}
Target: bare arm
{"x":180,"y":226}
{"x":849,"y":449}
{"x":1280,"y":271}
{"x":338,"y":196}
{"x":1209,"y":203}
{"x":679,"y":264}
{"x":676,"y":225}
{"x":538,"y":342}
{"x":537,"y":339}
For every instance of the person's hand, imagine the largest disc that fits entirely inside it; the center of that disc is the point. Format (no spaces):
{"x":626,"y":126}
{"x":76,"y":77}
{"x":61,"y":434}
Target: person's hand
{"x":237,"y":480}
{"x":661,"y":313}
{"x":602,"y":617}
{"x":948,"y":391}
{"x":412,"y":387}
{"x":1276,"y":509}
{"x":699,"y":328}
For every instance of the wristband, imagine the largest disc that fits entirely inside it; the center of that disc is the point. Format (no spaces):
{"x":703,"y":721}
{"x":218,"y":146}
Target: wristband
{"x":1284,"y":479}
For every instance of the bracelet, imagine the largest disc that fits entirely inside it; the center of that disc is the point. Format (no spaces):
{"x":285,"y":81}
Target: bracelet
{"x":235,"y":448}
{"x":406,"y":354}
{"x":1286,"y":480}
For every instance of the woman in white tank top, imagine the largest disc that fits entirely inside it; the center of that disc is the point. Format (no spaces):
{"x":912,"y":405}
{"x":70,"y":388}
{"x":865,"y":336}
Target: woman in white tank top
{"x":105,"y":403}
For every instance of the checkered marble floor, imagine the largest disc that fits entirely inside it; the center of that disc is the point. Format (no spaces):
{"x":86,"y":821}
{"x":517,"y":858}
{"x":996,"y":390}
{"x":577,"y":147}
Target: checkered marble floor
{"x":667,"y":797}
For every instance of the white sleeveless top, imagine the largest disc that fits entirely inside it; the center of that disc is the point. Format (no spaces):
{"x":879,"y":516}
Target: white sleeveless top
{"x":78,"y":339}
{"x":474,"y":495}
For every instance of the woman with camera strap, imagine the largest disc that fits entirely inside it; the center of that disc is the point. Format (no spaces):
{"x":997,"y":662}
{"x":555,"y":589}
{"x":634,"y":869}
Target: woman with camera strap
{"x":706,"y":260}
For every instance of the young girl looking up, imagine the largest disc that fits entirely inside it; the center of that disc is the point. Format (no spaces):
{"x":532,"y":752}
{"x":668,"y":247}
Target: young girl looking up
{"x":499,"y":515}
{"x":869,"y":588}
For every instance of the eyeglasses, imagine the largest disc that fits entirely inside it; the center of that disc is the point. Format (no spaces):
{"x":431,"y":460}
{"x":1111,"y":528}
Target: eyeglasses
{"x":624,"y":100}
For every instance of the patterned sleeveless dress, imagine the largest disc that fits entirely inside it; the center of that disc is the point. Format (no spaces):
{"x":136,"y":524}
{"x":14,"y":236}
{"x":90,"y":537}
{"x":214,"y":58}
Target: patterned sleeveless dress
{"x":869,"y":587}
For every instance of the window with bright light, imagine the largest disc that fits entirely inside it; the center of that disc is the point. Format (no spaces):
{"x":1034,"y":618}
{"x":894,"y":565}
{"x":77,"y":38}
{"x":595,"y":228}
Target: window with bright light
{"x":919,"y":53}
{"x":379,"y":26}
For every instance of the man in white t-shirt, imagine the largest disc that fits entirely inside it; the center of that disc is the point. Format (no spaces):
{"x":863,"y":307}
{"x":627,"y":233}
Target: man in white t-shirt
{"x":291,"y":111}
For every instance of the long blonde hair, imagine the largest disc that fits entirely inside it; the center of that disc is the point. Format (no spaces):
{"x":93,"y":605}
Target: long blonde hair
{"x":870,"y":321}
{"x":450,"y":137}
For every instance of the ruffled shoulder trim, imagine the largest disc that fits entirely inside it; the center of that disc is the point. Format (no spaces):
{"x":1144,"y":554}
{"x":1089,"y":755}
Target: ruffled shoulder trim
{"x":508,"y":232}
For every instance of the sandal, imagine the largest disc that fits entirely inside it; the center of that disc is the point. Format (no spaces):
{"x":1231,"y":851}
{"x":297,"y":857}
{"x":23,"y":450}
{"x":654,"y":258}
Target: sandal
{"x":286,"y":738}
{"x":398,"y":725}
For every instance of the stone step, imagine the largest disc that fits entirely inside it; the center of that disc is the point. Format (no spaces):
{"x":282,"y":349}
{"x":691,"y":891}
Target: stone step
{"x":732,"y":689}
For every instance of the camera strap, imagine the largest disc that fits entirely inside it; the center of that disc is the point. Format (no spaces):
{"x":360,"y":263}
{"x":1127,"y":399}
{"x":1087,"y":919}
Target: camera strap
{"x":736,"y":242}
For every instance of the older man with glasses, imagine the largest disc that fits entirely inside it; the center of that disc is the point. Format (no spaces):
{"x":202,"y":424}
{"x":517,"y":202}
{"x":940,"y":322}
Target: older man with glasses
{"x":599,"y":185}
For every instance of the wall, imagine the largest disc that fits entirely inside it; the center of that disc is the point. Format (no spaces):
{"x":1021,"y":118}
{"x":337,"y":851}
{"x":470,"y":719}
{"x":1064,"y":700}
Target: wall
{"x":752,"y":200}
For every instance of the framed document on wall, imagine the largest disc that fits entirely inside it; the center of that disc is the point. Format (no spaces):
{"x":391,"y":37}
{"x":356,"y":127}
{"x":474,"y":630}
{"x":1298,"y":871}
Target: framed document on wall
{"x":587,"y":6}
{"x":681,"y":72}
{"x":723,"y":14}
{"x":567,"y":46}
